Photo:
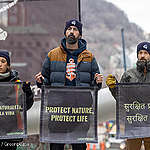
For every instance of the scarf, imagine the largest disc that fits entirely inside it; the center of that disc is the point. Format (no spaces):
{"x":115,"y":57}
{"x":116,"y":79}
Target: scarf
{"x":4,"y":75}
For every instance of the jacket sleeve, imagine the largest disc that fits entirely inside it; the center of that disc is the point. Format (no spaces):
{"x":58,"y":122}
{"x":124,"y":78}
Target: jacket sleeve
{"x":46,"y":70}
{"x":95,"y":69}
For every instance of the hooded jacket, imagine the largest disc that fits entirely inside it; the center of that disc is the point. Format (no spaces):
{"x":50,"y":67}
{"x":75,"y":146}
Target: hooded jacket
{"x":54,"y":66}
{"x":54,"y":71}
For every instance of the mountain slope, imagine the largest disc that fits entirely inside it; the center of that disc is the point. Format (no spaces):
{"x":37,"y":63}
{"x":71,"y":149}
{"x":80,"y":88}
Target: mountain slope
{"x":103,"y":22}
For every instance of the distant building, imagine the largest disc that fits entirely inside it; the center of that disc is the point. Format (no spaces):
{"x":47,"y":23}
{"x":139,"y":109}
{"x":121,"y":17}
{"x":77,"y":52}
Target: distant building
{"x":34,"y":27}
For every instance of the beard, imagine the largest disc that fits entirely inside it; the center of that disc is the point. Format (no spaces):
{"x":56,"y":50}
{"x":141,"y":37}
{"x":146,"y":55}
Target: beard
{"x":141,"y":65}
{"x":71,"y":39}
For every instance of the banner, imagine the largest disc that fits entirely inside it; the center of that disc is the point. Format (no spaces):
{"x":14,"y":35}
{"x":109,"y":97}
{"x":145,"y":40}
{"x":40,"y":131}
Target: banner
{"x":68,"y":115}
{"x":12,"y":111}
{"x":133,"y":110}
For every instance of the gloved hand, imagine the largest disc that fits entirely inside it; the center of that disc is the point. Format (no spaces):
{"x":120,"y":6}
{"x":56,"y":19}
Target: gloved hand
{"x":111,"y":81}
{"x":26,"y":87}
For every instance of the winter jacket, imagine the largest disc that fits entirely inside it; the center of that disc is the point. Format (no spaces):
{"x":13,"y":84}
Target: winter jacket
{"x":29,"y":95}
{"x":132,"y":76}
{"x":54,"y":66}
{"x":54,"y":71}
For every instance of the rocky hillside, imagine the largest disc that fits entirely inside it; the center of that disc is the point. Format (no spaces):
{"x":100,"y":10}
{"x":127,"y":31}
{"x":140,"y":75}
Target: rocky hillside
{"x":103,"y":22}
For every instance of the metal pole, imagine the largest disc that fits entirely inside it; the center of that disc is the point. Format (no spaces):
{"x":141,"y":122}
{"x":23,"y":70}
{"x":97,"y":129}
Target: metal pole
{"x":79,"y":9}
{"x":123,"y":47}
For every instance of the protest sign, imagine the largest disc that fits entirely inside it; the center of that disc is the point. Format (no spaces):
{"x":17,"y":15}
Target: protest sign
{"x":12,"y":111}
{"x":133,"y":110}
{"x":68,"y":115}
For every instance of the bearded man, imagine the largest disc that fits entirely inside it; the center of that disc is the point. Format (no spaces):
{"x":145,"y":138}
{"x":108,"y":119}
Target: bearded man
{"x":70,"y":64}
{"x":140,"y":74}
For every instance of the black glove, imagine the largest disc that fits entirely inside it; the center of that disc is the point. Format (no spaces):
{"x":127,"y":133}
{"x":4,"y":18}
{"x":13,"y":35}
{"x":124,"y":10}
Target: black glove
{"x":29,"y":95}
{"x":26,"y":87}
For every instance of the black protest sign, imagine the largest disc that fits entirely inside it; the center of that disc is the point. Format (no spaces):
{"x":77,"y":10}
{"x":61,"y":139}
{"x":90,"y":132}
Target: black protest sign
{"x":12,"y":111}
{"x":133,"y":110}
{"x":68,"y":115}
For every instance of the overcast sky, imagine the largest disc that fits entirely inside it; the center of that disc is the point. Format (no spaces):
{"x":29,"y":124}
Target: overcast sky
{"x":138,"y":11}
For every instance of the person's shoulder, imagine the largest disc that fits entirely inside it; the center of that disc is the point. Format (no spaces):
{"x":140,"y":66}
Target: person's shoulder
{"x":131,"y":73}
{"x":88,"y":52}
{"x":132,"y":70}
{"x":54,"y":51}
